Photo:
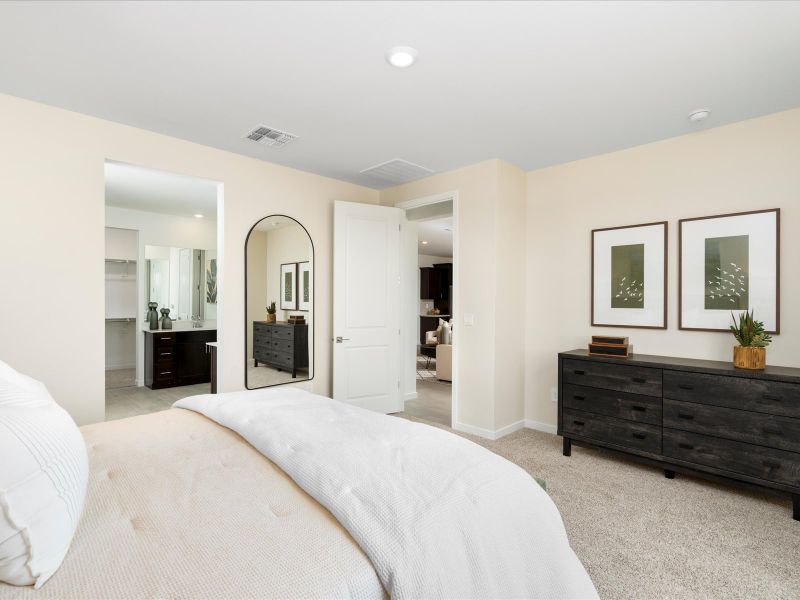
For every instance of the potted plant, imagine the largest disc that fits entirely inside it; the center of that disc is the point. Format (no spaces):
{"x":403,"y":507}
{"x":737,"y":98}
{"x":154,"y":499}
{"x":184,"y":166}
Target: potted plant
{"x":271,"y":312}
{"x":751,"y":353}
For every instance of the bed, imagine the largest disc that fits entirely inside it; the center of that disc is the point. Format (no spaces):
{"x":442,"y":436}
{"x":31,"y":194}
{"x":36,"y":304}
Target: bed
{"x":180,"y":505}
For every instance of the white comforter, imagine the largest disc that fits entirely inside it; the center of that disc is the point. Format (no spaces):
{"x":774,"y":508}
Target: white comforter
{"x":438,"y":516}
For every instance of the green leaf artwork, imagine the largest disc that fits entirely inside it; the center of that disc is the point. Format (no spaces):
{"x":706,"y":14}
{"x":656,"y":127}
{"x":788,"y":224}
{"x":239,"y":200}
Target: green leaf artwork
{"x":726,"y":273}
{"x":627,"y":276}
{"x":287,"y":286}
{"x":211,"y":281}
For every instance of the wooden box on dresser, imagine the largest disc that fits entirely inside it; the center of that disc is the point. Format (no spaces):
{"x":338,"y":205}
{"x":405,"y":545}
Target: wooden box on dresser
{"x":692,"y":416}
{"x":281,"y":345}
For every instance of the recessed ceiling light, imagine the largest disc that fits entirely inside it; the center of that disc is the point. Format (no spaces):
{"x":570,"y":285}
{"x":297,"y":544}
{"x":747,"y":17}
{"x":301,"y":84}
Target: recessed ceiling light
{"x":198,"y":216}
{"x":701,"y":114}
{"x":401,"y":56}
{"x":424,"y":242}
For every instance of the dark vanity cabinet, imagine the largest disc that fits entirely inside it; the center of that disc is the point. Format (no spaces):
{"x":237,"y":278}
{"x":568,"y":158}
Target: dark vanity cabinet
{"x":175,"y":358}
{"x":283,"y":346}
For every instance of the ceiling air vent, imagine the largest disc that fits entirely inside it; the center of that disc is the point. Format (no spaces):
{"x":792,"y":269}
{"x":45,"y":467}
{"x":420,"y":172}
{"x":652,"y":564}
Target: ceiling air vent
{"x":267,"y":136}
{"x":396,"y":171}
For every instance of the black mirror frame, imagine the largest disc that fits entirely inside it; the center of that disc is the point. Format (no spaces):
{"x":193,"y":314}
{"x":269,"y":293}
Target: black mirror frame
{"x":313,"y":303}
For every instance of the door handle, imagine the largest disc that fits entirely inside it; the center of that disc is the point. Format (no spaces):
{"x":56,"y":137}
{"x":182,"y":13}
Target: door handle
{"x":340,"y":339}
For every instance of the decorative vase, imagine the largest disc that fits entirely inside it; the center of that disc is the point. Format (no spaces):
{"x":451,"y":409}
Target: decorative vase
{"x":166,"y":322}
{"x":749,"y":357}
{"x":152,"y":315}
{"x":271,"y":318}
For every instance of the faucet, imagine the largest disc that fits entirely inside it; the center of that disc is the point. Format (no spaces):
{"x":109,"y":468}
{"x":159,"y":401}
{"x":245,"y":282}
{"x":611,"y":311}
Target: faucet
{"x":197,"y":322}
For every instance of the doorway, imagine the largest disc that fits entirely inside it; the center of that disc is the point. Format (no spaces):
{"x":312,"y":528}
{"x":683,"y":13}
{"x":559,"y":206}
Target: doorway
{"x":429,"y":264}
{"x":161,"y":287}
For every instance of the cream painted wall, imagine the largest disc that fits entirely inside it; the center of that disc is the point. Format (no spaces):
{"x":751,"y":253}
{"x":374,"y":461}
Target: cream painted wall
{"x":510,"y":312}
{"x":51,"y":166}
{"x":749,"y":165}
{"x":256,"y":283}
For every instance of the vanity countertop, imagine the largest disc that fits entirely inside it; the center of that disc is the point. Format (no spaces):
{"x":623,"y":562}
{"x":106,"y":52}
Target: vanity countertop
{"x":187,"y":327}
{"x":214,"y":344}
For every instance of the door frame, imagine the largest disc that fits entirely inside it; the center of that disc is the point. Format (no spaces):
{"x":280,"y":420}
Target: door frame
{"x":456,"y":299}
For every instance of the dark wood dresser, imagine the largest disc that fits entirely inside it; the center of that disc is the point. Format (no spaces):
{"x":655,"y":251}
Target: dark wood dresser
{"x":281,"y":345}
{"x":174,"y":358}
{"x":688,"y":416}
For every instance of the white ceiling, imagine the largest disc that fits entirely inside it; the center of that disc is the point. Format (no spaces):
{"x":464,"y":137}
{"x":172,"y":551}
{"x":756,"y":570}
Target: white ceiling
{"x":138,"y":188}
{"x":439,"y":235}
{"x":532,"y":83}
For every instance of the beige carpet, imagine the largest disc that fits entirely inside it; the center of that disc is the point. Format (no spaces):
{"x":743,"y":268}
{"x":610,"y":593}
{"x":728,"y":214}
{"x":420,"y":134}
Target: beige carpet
{"x":642,"y":536}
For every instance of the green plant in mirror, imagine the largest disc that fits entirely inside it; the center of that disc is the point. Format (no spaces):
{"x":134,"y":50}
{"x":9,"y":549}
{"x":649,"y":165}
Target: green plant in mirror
{"x":271,"y":310}
{"x":749,"y":332}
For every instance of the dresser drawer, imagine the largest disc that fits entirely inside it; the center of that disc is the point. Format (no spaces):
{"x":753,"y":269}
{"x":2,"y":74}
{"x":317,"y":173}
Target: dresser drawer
{"x":627,"y":434}
{"x":755,"y":428}
{"x":262,"y":355}
{"x":631,"y":407}
{"x":624,"y":378}
{"x":163,"y":339}
{"x":737,"y":457}
{"x":283,"y":359}
{"x":283,"y":345}
{"x":283,"y":332}
{"x":773,"y":397}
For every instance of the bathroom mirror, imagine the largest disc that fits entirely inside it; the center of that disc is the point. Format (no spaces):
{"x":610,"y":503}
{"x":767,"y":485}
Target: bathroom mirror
{"x":279,"y":303}
{"x":183,"y":280}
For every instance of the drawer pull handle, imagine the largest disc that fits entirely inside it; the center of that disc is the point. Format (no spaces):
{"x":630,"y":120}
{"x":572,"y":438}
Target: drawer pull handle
{"x":639,"y":436}
{"x":772,"y":430}
{"x":166,"y":372}
{"x":166,"y":338}
{"x":579,"y":372}
{"x":686,"y":416}
{"x":684,"y":386}
{"x":686,"y":446}
{"x":579,"y":423}
{"x":166,"y":353}
{"x":771,"y":464}
{"x":771,"y":397}
{"x":639,"y":408}
{"x":579,"y":397}
{"x":639,"y":380}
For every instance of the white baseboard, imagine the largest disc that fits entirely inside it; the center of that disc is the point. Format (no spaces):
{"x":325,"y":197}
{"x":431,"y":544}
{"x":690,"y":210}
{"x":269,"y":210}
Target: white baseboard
{"x":122,"y":365}
{"x":504,"y":431}
{"x":539,"y":426}
{"x":410,"y":396}
{"x":488,"y":433}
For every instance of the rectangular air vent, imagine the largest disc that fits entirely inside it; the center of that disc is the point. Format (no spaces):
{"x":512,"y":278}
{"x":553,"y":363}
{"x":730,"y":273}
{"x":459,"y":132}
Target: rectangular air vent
{"x":396,"y":171}
{"x":269,"y":136}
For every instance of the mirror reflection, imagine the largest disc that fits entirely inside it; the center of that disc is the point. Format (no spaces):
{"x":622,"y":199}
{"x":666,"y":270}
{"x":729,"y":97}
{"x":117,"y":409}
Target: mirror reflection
{"x":183,"y":280}
{"x":279,"y":303}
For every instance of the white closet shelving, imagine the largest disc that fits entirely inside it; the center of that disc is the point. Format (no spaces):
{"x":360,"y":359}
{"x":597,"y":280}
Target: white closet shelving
{"x":121,"y":273}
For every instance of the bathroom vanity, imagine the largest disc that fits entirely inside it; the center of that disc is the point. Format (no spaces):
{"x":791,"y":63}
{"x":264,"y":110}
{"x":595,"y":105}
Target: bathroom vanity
{"x":177,"y":357}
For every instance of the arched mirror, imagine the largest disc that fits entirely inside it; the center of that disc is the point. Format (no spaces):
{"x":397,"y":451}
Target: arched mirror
{"x":279,"y":298}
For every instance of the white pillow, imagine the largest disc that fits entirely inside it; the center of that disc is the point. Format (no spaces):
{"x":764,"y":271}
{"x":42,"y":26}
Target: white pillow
{"x":43,"y":473}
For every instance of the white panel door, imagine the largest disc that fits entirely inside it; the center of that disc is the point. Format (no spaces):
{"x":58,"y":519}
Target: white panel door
{"x":366,"y":306}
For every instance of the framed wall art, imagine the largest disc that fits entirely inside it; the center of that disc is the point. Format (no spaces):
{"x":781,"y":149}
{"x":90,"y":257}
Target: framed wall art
{"x":304,"y":292}
{"x":729,"y":263}
{"x":629,"y":276}
{"x":289,"y":286}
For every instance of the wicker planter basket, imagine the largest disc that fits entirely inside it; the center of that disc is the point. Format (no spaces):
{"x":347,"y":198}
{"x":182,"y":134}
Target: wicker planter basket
{"x":752,"y":358}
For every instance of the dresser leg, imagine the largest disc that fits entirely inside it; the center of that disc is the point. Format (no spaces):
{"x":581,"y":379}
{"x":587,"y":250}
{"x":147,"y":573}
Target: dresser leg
{"x":796,"y":507}
{"x":255,"y":363}
{"x":567,"y":448}
{"x":669,"y":474}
